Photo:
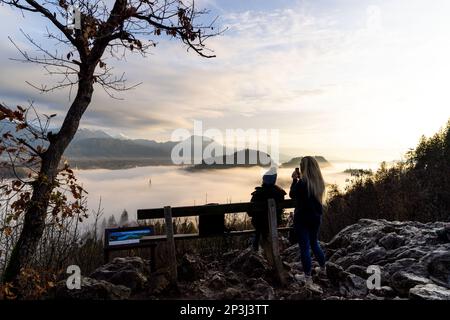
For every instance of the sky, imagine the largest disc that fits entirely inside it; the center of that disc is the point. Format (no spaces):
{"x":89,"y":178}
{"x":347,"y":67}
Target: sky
{"x":347,"y":79}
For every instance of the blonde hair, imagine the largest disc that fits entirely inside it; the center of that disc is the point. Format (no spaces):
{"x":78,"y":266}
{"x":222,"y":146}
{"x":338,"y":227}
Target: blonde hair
{"x":313,"y":177}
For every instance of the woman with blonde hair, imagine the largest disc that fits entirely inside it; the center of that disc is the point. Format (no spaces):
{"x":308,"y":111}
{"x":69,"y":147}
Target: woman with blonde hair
{"x":308,"y":190}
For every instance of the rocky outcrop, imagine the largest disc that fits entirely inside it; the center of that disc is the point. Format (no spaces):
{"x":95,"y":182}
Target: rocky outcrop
{"x":131,"y":272}
{"x":413,"y":260}
{"x":191,"y":268}
{"x":429,"y":292}
{"x":412,"y":256}
{"x":91,"y":289}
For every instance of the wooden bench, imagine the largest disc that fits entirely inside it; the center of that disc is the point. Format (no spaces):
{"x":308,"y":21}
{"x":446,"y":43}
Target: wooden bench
{"x":168,"y":213}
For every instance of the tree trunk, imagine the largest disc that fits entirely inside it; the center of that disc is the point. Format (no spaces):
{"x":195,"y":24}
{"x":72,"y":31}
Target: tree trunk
{"x":36,"y":213}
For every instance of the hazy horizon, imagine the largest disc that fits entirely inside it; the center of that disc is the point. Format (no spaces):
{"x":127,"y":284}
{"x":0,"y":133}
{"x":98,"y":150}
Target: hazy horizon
{"x":186,"y":187}
{"x":285,"y":153}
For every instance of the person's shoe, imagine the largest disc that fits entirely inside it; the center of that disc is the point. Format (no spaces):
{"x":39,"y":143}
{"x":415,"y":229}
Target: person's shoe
{"x":307,"y":280}
{"x":320,"y":271}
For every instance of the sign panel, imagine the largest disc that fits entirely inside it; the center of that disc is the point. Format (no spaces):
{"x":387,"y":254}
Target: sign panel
{"x":124,"y":236}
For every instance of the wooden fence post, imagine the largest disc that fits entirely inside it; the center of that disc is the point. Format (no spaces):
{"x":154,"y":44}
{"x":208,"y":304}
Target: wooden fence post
{"x":273,"y":242}
{"x":172,"y":255}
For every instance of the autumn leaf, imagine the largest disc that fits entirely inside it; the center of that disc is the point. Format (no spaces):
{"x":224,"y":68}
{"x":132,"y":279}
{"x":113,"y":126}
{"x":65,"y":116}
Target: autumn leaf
{"x":7,"y":231}
{"x":21,"y":126}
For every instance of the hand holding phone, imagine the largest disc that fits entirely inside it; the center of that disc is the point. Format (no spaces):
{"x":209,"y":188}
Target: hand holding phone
{"x":296,"y":174}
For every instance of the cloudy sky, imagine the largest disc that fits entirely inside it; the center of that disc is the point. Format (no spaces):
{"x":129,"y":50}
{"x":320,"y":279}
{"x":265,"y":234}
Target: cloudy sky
{"x":347,"y":79}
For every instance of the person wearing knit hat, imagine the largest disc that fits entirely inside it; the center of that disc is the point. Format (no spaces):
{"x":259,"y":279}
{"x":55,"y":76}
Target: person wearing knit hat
{"x":268,"y":190}
{"x":270,"y":177}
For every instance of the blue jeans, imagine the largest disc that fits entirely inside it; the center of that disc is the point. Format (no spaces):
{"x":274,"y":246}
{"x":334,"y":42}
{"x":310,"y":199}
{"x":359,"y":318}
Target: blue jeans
{"x":307,"y":229}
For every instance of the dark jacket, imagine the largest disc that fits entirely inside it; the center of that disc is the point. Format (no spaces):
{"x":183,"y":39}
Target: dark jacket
{"x":262,"y":194}
{"x":307,"y":208}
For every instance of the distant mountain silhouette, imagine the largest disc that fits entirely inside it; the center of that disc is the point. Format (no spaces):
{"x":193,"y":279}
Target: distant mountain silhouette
{"x":98,"y":144}
{"x":241,"y":158}
{"x":83,"y":134}
{"x":110,"y":147}
{"x":97,"y":149}
{"x":295,"y":162}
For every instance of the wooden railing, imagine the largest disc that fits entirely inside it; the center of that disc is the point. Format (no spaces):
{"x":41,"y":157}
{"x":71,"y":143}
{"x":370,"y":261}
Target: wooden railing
{"x":210,"y":209}
{"x":168,"y":213}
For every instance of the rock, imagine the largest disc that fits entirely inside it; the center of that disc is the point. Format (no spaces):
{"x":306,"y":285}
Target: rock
{"x":347,"y":235}
{"x":131,"y":272}
{"x":333,"y":298}
{"x":250,"y":282}
{"x":413,"y":258}
{"x":315,"y":290}
{"x":335,"y":254}
{"x":287,"y":266}
{"x":335,"y":273}
{"x":409,"y":253}
{"x":429,"y":292}
{"x":371,"y":296}
{"x":302,"y":294}
{"x":158,"y":283}
{"x":443,"y":234}
{"x":291,"y":254}
{"x":264,"y":290}
{"x":251,"y":264}
{"x":353,"y":286}
{"x":398,"y":265}
{"x":415,"y":253}
{"x":91,"y":289}
{"x":191,"y":268}
{"x":231,"y":254}
{"x":217,"y":281}
{"x":200,"y":292}
{"x":438,"y":266}
{"x":358,"y":270}
{"x":374,"y":255}
{"x":351,"y":259}
{"x":402,"y":281}
{"x":231,"y":293}
{"x":392,"y":241}
{"x":295,"y":266}
{"x":232,"y":278}
{"x":384,"y":291}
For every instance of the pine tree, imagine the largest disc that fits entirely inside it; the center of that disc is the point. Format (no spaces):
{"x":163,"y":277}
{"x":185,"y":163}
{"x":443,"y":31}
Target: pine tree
{"x":123,"y":219}
{"x":112,"y":223}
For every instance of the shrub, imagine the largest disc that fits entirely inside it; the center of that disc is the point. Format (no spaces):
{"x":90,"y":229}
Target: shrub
{"x":417,"y":188}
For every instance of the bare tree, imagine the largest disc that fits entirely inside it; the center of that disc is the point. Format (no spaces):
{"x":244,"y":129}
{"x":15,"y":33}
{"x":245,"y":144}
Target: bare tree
{"x":108,"y":28}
